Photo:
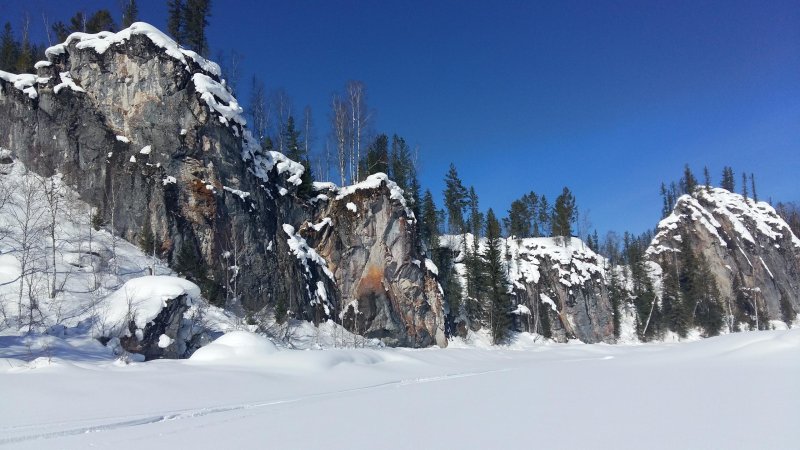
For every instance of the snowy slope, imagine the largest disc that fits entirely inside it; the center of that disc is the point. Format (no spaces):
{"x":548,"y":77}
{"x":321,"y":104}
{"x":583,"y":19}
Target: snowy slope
{"x":734,"y":392}
{"x":101,"y":281}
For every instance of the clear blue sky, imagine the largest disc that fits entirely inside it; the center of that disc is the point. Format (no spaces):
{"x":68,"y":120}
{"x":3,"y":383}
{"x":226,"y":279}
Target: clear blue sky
{"x":608,"y":98}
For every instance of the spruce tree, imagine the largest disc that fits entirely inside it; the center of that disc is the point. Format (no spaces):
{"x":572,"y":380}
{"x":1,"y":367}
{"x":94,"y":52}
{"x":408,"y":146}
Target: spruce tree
{"x":498,"y":302}
{"x":564,"y":215}
{"x":176,"y":20}
{"x":101,"y":20}
{"x":60,"y":30}
{"x":519,"y":223}
{"x":728,"y":181}
{"x":130,"y":13}
{"x":8,"y":49}
{"x":744,"y":186}
{"x":455,"y":199}
{"x":543,"y":214}
{"x":688,"y":181}
{"x":428,"y":222}
{"x":707,"y":179}
{"x":377,"y":159}
{"x":195,"y":15}
{"x":753,"y":187}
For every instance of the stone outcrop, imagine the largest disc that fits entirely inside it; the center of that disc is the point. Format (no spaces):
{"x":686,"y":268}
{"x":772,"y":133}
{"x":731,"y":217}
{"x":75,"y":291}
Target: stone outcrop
{"x":148,"y":133}
{"x":369,"y":240}
{"x":750,"y":250}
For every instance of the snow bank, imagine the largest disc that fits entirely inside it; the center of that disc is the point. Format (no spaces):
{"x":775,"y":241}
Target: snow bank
{"x":144,"y":297}
{"x":239,"y":346}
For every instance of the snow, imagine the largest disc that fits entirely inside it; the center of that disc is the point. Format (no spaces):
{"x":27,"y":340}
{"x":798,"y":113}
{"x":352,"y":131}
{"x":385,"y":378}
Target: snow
{"x":322,"y":224}
{"x":24,"y":82}
{"x":219,"y":99}
{"x":235,"y":347}
{"x":146,"y":150}
{"x":351,"y":207}
{"x":245,"y":391}
{"x":133,"y":159}
{"x":373,"y":181}
{"x":102,"y":41}
{"x":164,"y":341}
{"x":241,"y":194}
{"x":431,"y":267}
{"x":42,"y":64}
{"x":144,"y":297}
{"x":303,"y":252}
{"x":169,"y":179}
{"x":521,"y":310}
{"x":123,"y":139}
{"x":549,"y":301}
{"x":67,"y":82}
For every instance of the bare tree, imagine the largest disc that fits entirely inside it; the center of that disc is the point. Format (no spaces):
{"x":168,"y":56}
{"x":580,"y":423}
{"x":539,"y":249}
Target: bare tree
{"x":359,"y":117}
{"x":27,"y":215}
{"x":281,"y":104}
{"x":308,"y":132}
{"x":339,"y":126}
{"x":259,"y":110}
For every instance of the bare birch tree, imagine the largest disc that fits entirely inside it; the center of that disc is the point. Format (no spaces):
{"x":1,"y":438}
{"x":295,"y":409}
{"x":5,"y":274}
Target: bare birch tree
{"x":339,"y":125}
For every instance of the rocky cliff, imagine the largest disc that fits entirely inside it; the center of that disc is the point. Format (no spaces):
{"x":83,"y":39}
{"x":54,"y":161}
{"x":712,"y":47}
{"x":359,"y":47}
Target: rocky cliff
{"x":750,"y":250}
{"x":559,"y":288}
{"x":148,"y":133}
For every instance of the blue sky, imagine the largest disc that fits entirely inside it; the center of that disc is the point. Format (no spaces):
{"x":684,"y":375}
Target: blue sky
{"x":608,"y":98}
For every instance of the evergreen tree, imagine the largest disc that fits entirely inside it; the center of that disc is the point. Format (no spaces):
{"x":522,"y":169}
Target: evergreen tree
{"x":532,"y":202}
{"x":147,"y":240}
{"x":518,"y":223}
{"x":616,"y":296}
{"x":496,"y":286}
{"x":176,"y":20}
{"x":8,"y":49}
{"x":412,"y":194}
{"x":77,"y":23}
{"x":295,"y":153}
{"x":564,"y":215}
{"x":676,"y":317}
{"x":25,"y":55}
{"x":195,"y":16}
{"x":744,"y":186}
{"x":130,"y":13}
{"x":400,"y":162}
{"x":377,"y":159}
{"x":281,"y":312}
{"x":455,"y":199}
{"x":688,"y":181}
{"x":428,"y":225}
{"x":543,"y":214}
{"x":100,"y":21}
{"x":753,"y":187}
{"x":475,"y":215}
{"x":60,"y":30}
{"x":707,"y":179}
{"x":728,"y":181}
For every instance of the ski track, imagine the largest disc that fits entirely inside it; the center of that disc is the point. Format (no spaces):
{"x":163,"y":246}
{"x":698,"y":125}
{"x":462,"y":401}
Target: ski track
{"x":130,"y":421}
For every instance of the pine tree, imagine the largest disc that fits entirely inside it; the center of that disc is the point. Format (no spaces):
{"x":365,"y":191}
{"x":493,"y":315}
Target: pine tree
{"x":377,"y":159}
{"x":8,"y":49}
{"x":428,"y":225}
{"x":564,"y":215}
{"x":130,"y":13}
{"x":496,"y":286}
{"x":195,"y":16}
{"x":455,"y":199}
{"x":753,"y":187}
{"x":545,"y":227}
{"x":707,"y":179}
{"x":728,"y":181}
{"x":518,"y":223}
{"x":60,"y":30}
{"x":744,"y":186}
{"x":101,"y":20}
{"x":176,"y":20}
{"x":688,"y":181}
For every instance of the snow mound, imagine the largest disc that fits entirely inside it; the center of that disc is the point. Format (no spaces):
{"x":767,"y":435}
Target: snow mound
{"x":24,"y":82}
{"x":236,"y":345}
{"x":142,"y":299}
{"x":217,"y":97}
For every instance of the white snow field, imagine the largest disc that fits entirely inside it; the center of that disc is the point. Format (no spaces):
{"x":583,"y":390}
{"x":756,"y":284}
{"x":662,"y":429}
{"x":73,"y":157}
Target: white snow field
{"x":733,"y":391}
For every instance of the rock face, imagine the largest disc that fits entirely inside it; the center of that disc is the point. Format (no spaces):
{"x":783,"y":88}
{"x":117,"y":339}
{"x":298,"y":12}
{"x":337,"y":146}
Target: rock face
{"x":560,"y":288}
{"x":148,"y":133}
{"x":751,"y":251}
{"x":369,"y":240}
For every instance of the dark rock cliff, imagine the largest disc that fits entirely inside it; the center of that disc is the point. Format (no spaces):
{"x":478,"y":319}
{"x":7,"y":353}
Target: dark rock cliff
{"x":148,"y":133}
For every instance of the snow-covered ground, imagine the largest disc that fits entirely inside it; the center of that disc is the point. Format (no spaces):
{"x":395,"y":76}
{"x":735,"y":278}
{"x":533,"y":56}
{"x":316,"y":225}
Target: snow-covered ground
{"x":733,"y":391}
